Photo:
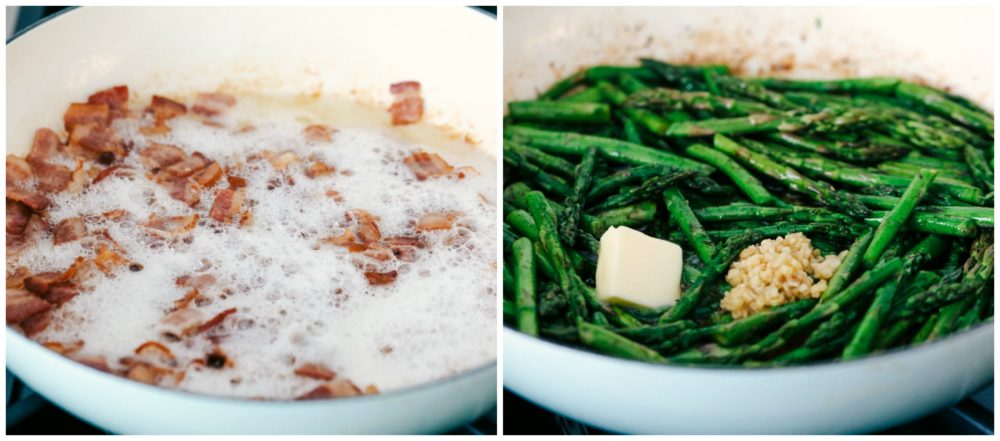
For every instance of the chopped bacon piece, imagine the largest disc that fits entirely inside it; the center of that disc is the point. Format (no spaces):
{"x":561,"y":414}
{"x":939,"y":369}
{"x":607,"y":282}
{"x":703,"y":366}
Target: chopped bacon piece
{"x":404,"y":241}
{"x":315,"y":370}
{"x":183,"y":190}
{"x":211,"y":104}
{"x":163,"y":109}
{"x":361,"y":216}
{"x":161,"y":155}
{"x":436,"y":221}
{"x":34,"y":201}
{"x":319,"y":133}
{"x":16,"y":280}
{"x":407,"y":106}
{"x":69,"y":230}
{"x":52,"y":178}
{"x":427,"y":165}
{"x":17,"y":170}
{"x":346,"y":239}
{"x":368,"y":232}
{"x":36,"y":323}
{"x":337,"y":389}
{"x":198,"y":282}
{"x":209,"y":175}
{"x":173,"y":224}
{"x":64,"y":348}
{"x":114,"y":170}
{"x":215,"y":321}
{"x":335,"y":195}
{"x":377,"y":278}
{"x":155,"y":351}
{"x":41,"y":283}
{"x":116,"y":98}
{"x":147,"y":373}
{"x":82,"y":113}
{"x":158,"y":128}
{"x":36,"y":227}
{"x":228,"y":204}
{"x":236,"y":181}
{"x":95,"y":142}
{"x":61,"y":293}
{"x":183,"y":302}
{"x":107,"y":260}
{"x":188,"y":166}
{"x":183,"y":321}
{"x":22,"y":304}
{"x":44,"y":147}
{"x":378,"y":252}
{"x":319,"y":168}
{"x":282,"y":161}
{"x":17,"y":217}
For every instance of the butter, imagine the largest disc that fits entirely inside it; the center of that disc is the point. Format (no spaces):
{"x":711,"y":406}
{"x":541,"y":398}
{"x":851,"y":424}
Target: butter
{"x":634,"y":269}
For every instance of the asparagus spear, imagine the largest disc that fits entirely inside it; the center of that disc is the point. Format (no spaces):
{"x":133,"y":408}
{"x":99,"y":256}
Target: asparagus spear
{"x":606,"y":341}
{"x":545,"y":220}
{"x":974,"y":276}
{"x":543,"y":160}
{"x":646,"y":190}
{"x":587,"y":95}
{"x":867,"y":153}
{"x":931,"y":223}
{"x":662,"y":99}
{"x":861,"y":342}
{"x":979,"y":167}
{"x":574,"y":203}
{"x":742,"y":330}
{"x":560,"y":112}
{"x":739,"y":175}
{"x":524,"y":286}
{"x":848,"y":266}
{"x":681,"y":213}
{"x":882,"y":85}
{"x":547,"y":182}
{"x":654,"y":333}
{"x":508,"y":281}
{"x":940,"y":104}
{"x":735,"y":86}
{"x":509,"y":311}
{"x":613,"y":182}
{"x":894,"y":220}
{"x":611,"y":73}
{"x":649,"y":120}
{"x":562,"y":86}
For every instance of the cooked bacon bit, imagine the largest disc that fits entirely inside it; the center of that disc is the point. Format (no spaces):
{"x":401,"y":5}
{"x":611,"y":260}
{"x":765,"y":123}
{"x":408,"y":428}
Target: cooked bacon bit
{"x":228,"y":203}
{"x":17,"y":170}
{"x":188,"y":166}
{"x":161,"y":155}
{"x":41,"y":283}
{"x":81,"y":113}
{"x":183,"y":190}
{"x":335,"y":195}
{"x":36,"y":202}
{"x":404,"y":248}
{"x":36,"y":323}
{"x":22,"y":304}
{"x":117,"y":214}
{"x":319,"y":133}
{"x":465,"y":170}
{"x":17,"y":217}
{"x":173,"y":224}
{"x":346,"y":239}
{"x":215,"y":321}
{"x":107,"y":260}
{"x":376,"y":278}
{"x":368,"y":232}
{"x":157,"y":128}
{"x":198,"y":282}
{"x":236,"y":181}
{"x":282,"y":161}
{"x":404,"y":241}
{"x":116,"y":98}
{"x":436,"y":221}
{"x":183,"y":321}
{"x":52,"y":178}
{"x":371,"y":389}
{"x":209,"y":175}
{"x":64,"y":348}
{"x":211,"y":104}
{"x":378,"y":252}
{"x":315,"y":370}
{"x":92,"y":141}
{"x":319,"y":168}
{"x":164,"y":109}
{"x":407,"y":106}
{"x":337,"y":389}
{"x":147,"y":373}
{"x":61,"y":293}
{"x":114,"y":170}
{"x":16,"y":280}
{"x":36,"y":227}
{"x":69,"y":230}
{"x":361,"y":216}
{"x":155,"y":351}
{"x":44,"y":147}
{"x":183,"y":302}
{"x":427,"y":165}
{"x":404,"y":253}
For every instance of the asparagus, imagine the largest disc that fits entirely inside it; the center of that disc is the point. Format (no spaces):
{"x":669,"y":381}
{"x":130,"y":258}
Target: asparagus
{"x":655,"y":333}
{"x":974,"y":276}
{"x":630,"y":216}
{"x":524,"y":286}
{"x":882,"y":85}
{"x":509,"y":311}
{"x":868,"y":153}
{"x":743,"y":211}
{"x":947,"y":319}
{"x":608,"y":342}
{"x":849,"y":265}
{"x":681,"y":213}
{"x":749,"y":184}
{"x":822,"y":194}
{"x":824,"y":121}
{"x":649,"y":120}
{"x":508,"y":281}
{"x":588,"y":95}
{"x":894,"y":220}
{"x":574,"y":203}
{"x":560,"y":111}
{"x":562,"y":86}
{"x":543,"y":160}
{"x":646,"y":190}
{"x":611,"y":73}
{"x":976,"y":161}
{"x":740,"y":331}
{"x":545,"y":220}
{"x":576,"y":144}
{"x":547,"y":182}
{"x":861,"y":342}
{"x":937,"y":102}
{"x":735,"y":86}
{"x":661,"y":99}
{"x":931,"y":223}
{"x":613,"y":182}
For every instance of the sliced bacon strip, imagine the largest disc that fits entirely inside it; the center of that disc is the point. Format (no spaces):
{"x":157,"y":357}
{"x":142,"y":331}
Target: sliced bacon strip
{"x":183,"y":302}
{"x":407,"y":106}
{"x":319,"y":168}
{"x":17,"y":170}
{"x":282,"y":161}
{"x":61,"y":293}
{"x":155,"y":351}
{"x":69,"y":230}
{"x":319,"y":133}
{"x":41,"y":283}
{"x":37,"y":226}
{"x":173,"y":224}
{"x":335,"y":195}
{"x":83,"y":113}
{"x":188,"y":166}
{"x":236,"y":181}
{"x":315,"y":370}
{"x":52,"y":178}
{"x":44,"y":146}
{"x":228,"y":204}
{"x":211,"y":104}
{"x":17,"y":217}
{"x":215,"y":321}
{"x":36,"y":202}
{"x":378,"y":251}
{"x":64,"y":348}
{"x":197,"y":282}
{"x":16,"y":280}
{"x":96,"y":142}
{"x":158,"y":156}
{"x":209,"y":175}
{"x":147,"y":373}
{"x":183,"y":321}
{"x":36,"y":323}
{"x":107,"y":259}
{"x":436,"y":221}
{"x":184,"y":190}
{"x":116,"y":98}
{"x":22,"y":304}
{"x":427,"y":165}
{"x":114,"y":170}
{"x":337,"y":389}
{"x":163,"y":108}
{"x":380,"y":278}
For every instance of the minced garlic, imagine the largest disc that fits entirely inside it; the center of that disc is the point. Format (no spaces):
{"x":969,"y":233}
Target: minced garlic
{"x":775,"y":272}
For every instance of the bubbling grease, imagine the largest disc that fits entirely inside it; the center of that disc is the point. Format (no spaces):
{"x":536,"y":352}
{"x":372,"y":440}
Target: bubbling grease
{"x":297,"y":300}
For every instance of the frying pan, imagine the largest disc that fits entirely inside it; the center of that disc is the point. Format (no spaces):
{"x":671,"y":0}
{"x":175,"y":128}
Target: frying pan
{"x":355,"y":52}
{"x":948,"y":47}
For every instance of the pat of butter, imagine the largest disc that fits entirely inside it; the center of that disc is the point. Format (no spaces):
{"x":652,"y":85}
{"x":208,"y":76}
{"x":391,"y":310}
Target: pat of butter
{"x":637,"y":270}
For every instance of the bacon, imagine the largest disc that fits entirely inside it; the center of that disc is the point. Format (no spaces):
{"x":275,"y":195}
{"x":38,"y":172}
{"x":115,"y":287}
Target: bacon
{"x":188,"y":166}
{"x":465,"y":170}
{"x":116,"y":98}
{"x":315,"y":370}
{"x":61,"y":293}
{"x":209,"y":175}
{"x":427,"y":165}
{"x":215,"y":321}
{"x":318,"y":133}
{"x":183,"y":190}
{"x":16,"y":280}
{"x":164,"y":109}
{"x":183,"y":321}
{"x":282,"y":161}
{"x":96,"y":142}
{"x":236,"y":181}
{"x":36,"y":202}
{"x":335,"y":195}
{"x":64,"y":348}
{"x":436,"y":221}
{"x":69,"y":230}
{"x":228,"y":203}
{"x":211,"y":104}
{"x":52,"y":178}
{"x":17,"y":217}
{"x":107,"y":260}
{"x":36,"y":323}
{"x":158,"y":156}
{"x":114,"y":170}
{"x":361,"y":216}
{"x":407,"y":106}
{"x":37,"y":226}
{"x":377,"y":278}
{"x":378,"y":252}
{"x":44,"y":147}
{"x":147,"y":373}
{"x":319,"y":168}
{"x":155,"y":351}
{"x":183,"y":302}
{"x":346,"y":239}
{"x":22,"y":304}
{"x":368,"y":232}
{"x":17,"y":170}
{"x":197,"y":282}
{"x":337,"y":389}
{"x":82,"y":113}
{"x":41,"y":283}
{"x":173,"y":224}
